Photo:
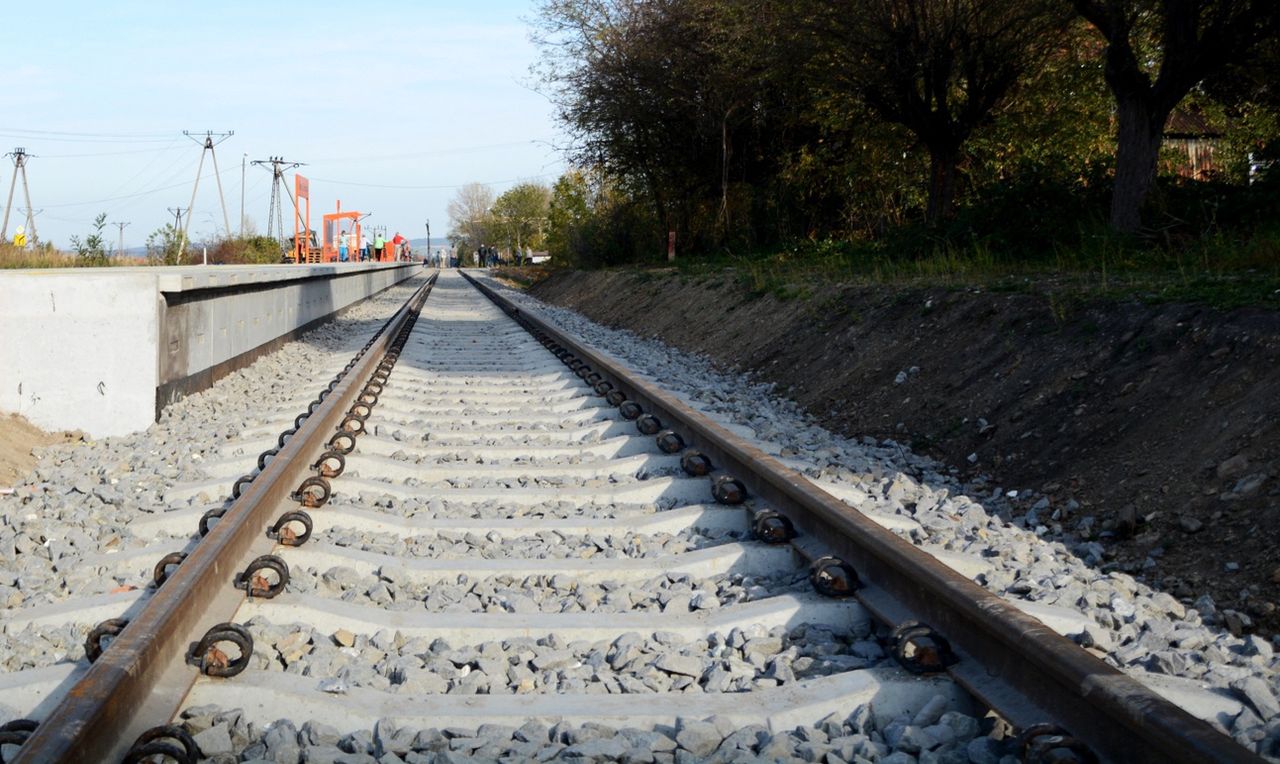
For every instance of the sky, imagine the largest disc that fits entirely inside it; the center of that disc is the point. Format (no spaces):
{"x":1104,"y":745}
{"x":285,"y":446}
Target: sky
{"x":391,"y":105}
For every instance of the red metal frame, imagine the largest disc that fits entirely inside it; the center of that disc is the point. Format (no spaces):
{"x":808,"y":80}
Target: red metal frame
{"x":301,"y":235}
{"x":329,"y":228}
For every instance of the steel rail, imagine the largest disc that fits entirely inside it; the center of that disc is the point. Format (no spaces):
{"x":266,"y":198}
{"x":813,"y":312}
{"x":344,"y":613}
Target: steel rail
{"x":1023,"y":670}
{"x":141,"y":679}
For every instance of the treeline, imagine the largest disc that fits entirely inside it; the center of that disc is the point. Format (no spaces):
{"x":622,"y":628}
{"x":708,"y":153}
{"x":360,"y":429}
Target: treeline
{"x":740,"y":124}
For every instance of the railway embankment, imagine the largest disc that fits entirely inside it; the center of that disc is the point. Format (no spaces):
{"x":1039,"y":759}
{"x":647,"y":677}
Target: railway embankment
{"x":1145,"y":436}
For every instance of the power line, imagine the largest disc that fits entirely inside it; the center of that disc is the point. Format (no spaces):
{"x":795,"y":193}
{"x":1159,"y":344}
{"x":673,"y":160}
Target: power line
{"x":438,"y":152}
{"x":54,"y":139}
{"x":147,"y":167}
{"x":98,"y":135}
{"x":426,"y":188}
{"x":110,"y":153}
{"x":128,"y":196}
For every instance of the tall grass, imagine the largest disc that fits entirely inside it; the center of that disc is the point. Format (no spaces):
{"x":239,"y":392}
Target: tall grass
{"x":13,"y":257}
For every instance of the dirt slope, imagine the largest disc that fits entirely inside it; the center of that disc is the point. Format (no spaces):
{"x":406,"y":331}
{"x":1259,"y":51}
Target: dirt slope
{"x":17,"y":439}
{"x":1152,"y":429}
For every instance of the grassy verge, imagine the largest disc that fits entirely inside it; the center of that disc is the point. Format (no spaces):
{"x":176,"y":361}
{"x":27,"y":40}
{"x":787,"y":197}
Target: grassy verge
{"x":12,"y":257}
{"x":1218,"y":270}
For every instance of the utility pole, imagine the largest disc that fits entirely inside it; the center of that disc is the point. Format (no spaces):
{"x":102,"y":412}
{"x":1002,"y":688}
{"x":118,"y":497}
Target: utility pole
{"x":275,"y":211}
{"x":177,"y":213}
{"x":428,"y":237}
{"x":121,"y":226}
{"x":243,"y":159}
{"x":20,"y":157}
{"x":207,"y":142}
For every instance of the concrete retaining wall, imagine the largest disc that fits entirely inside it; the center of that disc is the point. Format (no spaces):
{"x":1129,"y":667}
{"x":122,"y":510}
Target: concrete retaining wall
{"x":103,"y":350}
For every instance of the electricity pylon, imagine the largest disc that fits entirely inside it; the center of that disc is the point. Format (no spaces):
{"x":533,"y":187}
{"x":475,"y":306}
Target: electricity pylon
{"x":275,"y":212}
{"x":207,"y":142}
{"x":20,"y":157}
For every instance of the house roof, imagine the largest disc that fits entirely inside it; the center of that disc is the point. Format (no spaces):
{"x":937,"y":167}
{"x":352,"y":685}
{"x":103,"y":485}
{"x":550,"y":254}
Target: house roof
{"x":1187,"y":124}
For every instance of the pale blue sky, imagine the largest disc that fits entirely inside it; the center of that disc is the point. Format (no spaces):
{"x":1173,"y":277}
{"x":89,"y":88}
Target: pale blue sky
{"x":422,"y":95}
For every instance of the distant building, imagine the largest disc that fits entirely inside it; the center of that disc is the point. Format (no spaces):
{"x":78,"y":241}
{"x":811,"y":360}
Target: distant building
{"x":1190,"y":134}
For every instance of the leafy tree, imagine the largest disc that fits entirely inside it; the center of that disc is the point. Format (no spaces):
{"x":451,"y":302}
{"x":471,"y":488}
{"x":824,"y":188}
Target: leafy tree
{"x":1155,"y":54}
{"x":162,"y":246}
{"x":470,"y":218}
{"x":93,"y":250}
{"x":520,"y":216}
{"x":568,"y":210}
{"x":937,"y":67}
{"x":682,"y":102}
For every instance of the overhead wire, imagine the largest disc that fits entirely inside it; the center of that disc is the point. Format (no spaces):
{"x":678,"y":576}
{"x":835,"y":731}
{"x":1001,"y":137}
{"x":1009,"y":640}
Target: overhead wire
{"x":436,"y":152}
{"x":133,"y":196}
{"x":109,"y":153}
{"x":82,"y":134}
{"x":146,"y":167}
{"x":434,"y":188}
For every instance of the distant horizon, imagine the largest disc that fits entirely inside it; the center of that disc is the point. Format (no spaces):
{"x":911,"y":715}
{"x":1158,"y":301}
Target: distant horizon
{"x":437,"y":242}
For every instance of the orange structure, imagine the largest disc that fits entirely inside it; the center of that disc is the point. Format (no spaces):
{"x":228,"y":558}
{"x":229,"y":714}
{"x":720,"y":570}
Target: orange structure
{"x":332,"y":231}
{"x":305,"y":247}
{"x":304,"y":244}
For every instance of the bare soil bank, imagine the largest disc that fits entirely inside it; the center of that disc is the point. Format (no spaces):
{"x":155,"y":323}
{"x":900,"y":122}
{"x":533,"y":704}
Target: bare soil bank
{"x":18,"y":438}
{"x":1154,"y":430}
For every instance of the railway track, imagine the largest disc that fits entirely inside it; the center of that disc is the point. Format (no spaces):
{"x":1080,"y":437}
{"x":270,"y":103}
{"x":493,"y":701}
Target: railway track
{"x":485,"y":539}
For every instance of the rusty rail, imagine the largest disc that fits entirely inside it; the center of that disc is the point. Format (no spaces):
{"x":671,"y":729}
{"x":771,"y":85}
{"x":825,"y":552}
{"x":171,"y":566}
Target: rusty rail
{"x":1025,"y":671}
{"x":142,"y":678}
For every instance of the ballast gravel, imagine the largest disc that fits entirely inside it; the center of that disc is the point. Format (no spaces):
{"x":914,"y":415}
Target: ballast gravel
{"x":1035,"y":557}
{"x":546,"y":545}
{"x":932,"y":735}
{"x":668,"y":593}
{"x":442,"y":509}
{"x":739,"y":661}
{"x":81,"y":499}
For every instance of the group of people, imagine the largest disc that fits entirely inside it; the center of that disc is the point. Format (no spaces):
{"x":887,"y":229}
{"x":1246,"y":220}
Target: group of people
{"x":347,"y":244}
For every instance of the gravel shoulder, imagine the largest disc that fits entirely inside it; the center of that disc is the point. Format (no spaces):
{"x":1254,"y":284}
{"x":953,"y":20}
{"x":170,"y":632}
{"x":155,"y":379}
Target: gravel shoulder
{"x":1024,"y":544}
{"x":1152,"y":431}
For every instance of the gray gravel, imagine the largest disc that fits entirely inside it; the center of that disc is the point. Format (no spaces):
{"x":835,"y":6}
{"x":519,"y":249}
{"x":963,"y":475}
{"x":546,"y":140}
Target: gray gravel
{"x":1036,"y":558}
{"x":446,"y":545}
{"x":81,"y":498}
{"x":931,"y":736}
{"x":442,"y":509}
{"x":739,"y":661}
{"x":674,"y":593}
{"x":29,"y":647}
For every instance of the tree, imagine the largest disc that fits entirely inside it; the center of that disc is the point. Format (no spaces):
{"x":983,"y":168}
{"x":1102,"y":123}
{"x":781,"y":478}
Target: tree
{"x":936,"y":67}
{"x":520,"y":214}
{"x":681,"y":102}
{"x":1181,"y":42}
{"x":567,"y":212}
{"x":93,"y":250}
{"x":470,"y":218}
{"x":162,"y":246}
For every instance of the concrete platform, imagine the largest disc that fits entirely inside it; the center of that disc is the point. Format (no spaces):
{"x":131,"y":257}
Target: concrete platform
{"x":103,"y":350}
